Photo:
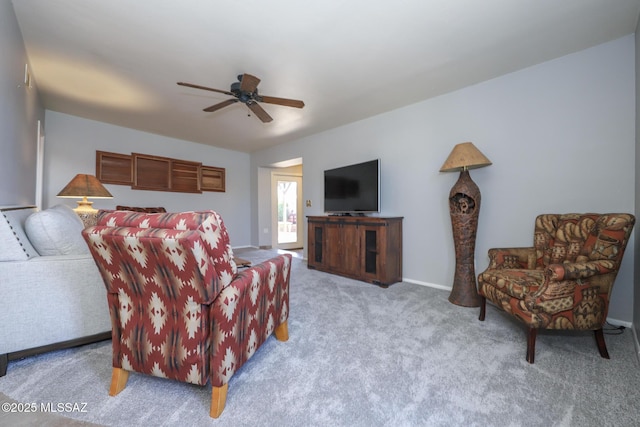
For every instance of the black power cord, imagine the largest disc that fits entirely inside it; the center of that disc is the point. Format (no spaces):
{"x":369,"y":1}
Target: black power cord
{"x":613,"y":330}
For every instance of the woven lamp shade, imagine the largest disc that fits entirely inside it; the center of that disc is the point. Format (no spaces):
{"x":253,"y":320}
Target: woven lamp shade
{"x":85,"y":186}
{"x":464,"y":156}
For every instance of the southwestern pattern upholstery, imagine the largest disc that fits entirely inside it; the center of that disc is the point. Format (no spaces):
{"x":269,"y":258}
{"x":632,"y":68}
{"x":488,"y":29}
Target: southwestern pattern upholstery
{"x":179,"y":308}
{"x":565,"y":280}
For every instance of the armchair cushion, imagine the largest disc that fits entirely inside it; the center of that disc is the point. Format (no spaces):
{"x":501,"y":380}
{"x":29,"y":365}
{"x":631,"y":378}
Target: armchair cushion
{"x":512,"y":258}
{"x":514,"y":283}
{"x":56,"y":231}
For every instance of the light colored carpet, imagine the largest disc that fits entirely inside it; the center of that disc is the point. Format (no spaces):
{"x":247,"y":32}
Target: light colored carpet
{"x":360,"y":355}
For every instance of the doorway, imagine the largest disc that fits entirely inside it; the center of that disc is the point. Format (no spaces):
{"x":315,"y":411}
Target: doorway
{"x":287,"y":212}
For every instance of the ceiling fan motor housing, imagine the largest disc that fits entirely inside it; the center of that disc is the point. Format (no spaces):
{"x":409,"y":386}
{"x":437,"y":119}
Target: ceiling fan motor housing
{"x":242,"y":96}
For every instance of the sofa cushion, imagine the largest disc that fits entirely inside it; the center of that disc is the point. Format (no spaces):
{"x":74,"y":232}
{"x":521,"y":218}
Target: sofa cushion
{"x":14,"y":243}
{"x":56,"y":231}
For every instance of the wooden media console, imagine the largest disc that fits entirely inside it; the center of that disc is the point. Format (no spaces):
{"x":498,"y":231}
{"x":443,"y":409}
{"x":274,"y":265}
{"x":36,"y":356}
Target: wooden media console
{"x":360,"y":247}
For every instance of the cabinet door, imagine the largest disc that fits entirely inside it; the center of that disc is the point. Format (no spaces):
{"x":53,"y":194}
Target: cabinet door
{"x":151,"y":172}
{"x":371,"y":237}
{"x":344,"y":241}
{"x":332,"y":240}
{"x":382,"y":253}
{"x":316,"y":242}
{"x":185,"y":176}
{"x":350,"y":249}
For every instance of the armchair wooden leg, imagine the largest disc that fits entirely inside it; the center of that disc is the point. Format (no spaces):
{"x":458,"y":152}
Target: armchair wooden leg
{"x":602,"y":347}
{"x":531,"y":344}
{"x":282,"y":331}
{"x":4,"y":362}
{"x":483,"y":308}
{"x":119,"y":379}
{"x":218,"y":400}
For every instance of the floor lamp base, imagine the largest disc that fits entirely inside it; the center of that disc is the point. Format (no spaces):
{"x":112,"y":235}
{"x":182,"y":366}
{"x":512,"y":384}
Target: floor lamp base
{"x":464,"y":206}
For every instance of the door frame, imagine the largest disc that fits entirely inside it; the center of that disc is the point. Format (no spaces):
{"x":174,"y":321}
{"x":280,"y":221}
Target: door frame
{"x":275,"y":177}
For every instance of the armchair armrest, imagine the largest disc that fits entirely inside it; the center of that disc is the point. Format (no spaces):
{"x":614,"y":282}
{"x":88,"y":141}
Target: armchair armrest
{"x":512,"y":258}
{"x":273,"y":275}
{"x":560,"y":280}
{"x":246,"y":313}
{"x":579,"y":270}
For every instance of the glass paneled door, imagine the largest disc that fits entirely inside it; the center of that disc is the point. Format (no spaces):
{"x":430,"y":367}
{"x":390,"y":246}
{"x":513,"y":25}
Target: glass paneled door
{"x":289,"y":220}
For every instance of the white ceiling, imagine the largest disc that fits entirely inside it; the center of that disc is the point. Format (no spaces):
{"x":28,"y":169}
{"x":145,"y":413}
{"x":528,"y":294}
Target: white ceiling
{"x":118,"y":61}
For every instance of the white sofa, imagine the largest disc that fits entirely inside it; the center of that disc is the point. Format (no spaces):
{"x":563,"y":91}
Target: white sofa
{"x":51,"y":293}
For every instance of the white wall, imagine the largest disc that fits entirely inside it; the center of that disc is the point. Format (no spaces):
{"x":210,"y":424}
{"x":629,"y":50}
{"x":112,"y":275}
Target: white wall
{"x":20,"y":111}
{"x":561,"y":137}
{"x":71,"y":146}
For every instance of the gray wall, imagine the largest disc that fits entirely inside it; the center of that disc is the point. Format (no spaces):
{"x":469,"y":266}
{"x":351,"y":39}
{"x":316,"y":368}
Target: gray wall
{"x":71,"y":146}
{"x":561,"y":136}
{"x":20,"y":111}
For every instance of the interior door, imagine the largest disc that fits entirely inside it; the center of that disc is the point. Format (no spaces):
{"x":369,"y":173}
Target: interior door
{"x":289,"y":222}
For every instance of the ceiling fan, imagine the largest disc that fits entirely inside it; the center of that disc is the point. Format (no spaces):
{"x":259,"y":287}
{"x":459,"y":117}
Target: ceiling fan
{"x":245,"y":90}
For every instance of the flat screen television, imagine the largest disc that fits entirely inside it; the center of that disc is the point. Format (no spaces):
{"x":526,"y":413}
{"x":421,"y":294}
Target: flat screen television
{"x":353,"y":188}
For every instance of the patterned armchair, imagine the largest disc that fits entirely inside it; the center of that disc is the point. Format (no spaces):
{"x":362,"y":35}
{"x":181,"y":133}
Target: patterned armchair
{"x":565,"y":280}
{"x":179,"y":308}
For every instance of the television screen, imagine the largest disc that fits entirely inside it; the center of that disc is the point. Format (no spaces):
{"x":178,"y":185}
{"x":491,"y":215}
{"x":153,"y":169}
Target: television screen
{"x":353,"y":188}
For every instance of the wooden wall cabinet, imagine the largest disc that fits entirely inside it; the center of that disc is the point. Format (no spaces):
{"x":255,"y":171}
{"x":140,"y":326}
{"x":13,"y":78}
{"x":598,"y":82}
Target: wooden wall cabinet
{"x":114,"y":168}
{"x":213,"y":179}
{"x":148,"y":172}
{"x":151,"y":172}
{"x":185,"y":176}
{"x":362,"y":248}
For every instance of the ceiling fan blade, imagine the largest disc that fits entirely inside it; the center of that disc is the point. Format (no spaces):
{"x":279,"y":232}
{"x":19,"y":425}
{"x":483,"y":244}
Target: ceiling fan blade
{"x":205,"y":88}
{"x":220,"y":105}
{"x":282,"y":101}
{"x":259,"y":112}
{"x":249,"y":83}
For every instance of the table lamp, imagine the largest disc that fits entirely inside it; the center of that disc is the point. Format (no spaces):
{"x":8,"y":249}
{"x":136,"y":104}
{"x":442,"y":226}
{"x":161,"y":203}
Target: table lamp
{"x":85,"y":186}
{"x":464,"y":207}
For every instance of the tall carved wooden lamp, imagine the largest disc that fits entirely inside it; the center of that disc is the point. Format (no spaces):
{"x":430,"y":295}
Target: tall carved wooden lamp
{"x":464,"y":207}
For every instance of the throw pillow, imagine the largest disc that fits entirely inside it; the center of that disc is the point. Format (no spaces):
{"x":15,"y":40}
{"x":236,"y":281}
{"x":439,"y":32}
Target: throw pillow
{"x":56,"y":231}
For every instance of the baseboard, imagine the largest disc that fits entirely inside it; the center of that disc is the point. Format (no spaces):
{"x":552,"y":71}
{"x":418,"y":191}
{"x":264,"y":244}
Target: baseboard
{"x":16,"y":355}
{"x":427,"y":284}
{"x":616,"y":322}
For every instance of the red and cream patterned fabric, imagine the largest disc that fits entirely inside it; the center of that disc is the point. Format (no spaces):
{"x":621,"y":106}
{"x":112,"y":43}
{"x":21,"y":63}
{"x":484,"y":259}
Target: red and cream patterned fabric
{"x":246,"y":312}
{"x":178,"y":307}
{"x":210,"y":223}
{"x":565,"y":280}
